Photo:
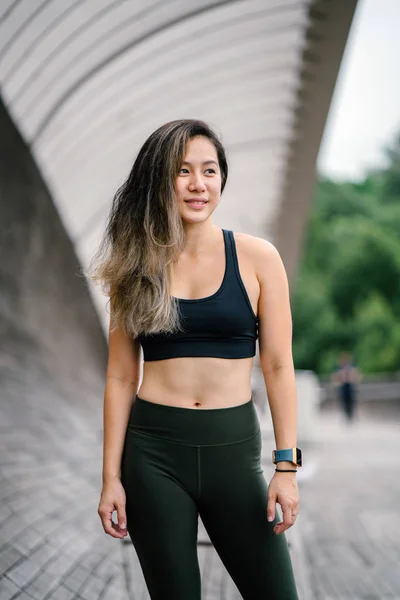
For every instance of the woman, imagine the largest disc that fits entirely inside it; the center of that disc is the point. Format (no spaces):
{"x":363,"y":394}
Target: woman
{"x":188,"y":442}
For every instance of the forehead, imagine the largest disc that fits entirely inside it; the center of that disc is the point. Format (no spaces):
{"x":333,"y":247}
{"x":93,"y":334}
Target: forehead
{"x":200,"y":146}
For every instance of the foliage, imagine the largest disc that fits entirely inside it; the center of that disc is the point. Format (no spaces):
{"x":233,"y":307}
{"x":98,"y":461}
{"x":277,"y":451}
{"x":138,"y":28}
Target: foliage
{"x":347,"y":293}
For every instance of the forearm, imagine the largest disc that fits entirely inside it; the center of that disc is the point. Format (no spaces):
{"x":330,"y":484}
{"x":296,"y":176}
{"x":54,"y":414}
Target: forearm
{"x":118,"y":397}
{"x":280,"y":384}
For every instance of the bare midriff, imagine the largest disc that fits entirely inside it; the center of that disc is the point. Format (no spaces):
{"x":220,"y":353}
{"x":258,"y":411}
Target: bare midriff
{"x":197,"y":382}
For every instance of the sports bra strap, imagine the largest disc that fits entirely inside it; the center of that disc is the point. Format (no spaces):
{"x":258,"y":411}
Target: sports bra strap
{"x":233,"y":260}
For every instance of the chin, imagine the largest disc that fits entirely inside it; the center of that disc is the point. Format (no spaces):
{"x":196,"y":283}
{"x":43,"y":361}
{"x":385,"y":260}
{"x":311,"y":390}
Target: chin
{"x":194,"y":219}
{"x":189,"y":216}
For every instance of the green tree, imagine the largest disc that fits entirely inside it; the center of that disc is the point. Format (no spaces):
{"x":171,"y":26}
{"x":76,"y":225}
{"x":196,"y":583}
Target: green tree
{"x":367,"y":258}
{"x":347,"y":294}
{"x":378,"y":335}
{"x":391,"y":175}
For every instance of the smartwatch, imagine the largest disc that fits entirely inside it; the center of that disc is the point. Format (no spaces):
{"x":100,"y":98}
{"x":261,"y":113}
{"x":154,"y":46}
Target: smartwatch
{"x":292,"y":455}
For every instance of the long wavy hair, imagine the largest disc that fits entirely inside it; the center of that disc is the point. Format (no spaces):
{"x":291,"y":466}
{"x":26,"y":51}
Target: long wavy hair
{"x":144,"y":233}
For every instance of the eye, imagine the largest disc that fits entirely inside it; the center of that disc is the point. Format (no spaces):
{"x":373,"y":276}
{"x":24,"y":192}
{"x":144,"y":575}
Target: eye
{"x":183,"y":169}
{"x":212,"y":170}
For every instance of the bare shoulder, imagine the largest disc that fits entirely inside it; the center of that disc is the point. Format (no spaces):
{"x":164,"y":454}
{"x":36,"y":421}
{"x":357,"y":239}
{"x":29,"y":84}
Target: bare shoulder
{"x":262,"y":253}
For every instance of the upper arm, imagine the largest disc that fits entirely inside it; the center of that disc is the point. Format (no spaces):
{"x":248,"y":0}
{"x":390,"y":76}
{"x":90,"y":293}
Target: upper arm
{"x":123,"y":355}
{"x":274,"y":313}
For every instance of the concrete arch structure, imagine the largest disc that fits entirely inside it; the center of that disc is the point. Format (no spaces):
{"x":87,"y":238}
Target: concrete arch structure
{"x":87,"y":81}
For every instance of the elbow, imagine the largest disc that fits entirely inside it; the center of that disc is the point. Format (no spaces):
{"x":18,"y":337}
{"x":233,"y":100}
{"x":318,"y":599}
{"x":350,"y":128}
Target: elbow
{"x":276,"y":364}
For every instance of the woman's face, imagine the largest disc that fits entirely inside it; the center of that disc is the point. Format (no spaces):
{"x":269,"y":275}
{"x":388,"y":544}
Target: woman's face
{"x":198,"y":184}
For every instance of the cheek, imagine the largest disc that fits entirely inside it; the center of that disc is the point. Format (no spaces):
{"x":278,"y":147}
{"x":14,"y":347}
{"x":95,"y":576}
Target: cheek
{"x":215,"y":190}
{"x":180,"y":187}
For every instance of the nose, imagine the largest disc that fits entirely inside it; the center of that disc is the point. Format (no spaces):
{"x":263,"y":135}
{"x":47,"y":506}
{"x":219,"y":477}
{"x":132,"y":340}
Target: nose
{"x":196,"y":183}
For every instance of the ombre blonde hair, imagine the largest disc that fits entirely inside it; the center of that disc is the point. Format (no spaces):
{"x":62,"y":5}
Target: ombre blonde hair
{"x":144,"y":233}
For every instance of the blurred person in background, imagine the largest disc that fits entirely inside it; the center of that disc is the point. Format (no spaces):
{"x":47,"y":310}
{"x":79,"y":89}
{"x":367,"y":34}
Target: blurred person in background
{"x":345,"y":378}
{"x":195,"y":298}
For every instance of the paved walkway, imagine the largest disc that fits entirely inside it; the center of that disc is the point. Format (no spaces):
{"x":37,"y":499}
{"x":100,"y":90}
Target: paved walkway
{"x":345,"y":545}
{"x":349,"y":522}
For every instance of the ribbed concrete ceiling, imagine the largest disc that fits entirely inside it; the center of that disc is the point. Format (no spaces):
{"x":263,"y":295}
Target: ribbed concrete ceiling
{"x":87,"y":81}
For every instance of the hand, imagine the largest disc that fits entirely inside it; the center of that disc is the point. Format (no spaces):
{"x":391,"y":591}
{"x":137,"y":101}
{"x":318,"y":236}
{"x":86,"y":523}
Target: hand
{"x":283,"y":489}
{"x":113,"y":498}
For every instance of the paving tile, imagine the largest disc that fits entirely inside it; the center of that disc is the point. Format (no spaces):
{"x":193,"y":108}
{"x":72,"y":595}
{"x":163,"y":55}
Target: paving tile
{"x":61,"y":593}
{"x":27,"y":540}
{"x":8,"y":557}
{"x":8,"y":588}
{"x":12,"y":527}
{"x":22,"y":596}
{"x":60,"y":565}
{"x":116,"y":590}
{"x":23,"y":572}
{"x":94,"y":587}
{"x":75,"y":580}
{"x":93,"y":558}
{"x":42,"y":583}
{"x":5,"y":511}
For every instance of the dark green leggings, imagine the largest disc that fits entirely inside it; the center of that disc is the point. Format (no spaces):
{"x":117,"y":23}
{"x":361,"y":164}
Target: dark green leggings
{"x":179,"y":463}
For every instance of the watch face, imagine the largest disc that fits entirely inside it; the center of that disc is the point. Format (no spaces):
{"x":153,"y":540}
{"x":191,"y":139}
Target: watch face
{"x":298,"y":457}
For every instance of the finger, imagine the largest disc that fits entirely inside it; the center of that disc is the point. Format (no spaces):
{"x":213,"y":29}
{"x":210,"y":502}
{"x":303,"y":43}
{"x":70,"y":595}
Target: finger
{"x":280,"y":527}
{"x":271,"y":507}
{"x":108,"y":524}
{"x":288,"y":519}
{"x":287,"y":516}
{"x":121,"y":516}
{"x":122,"y":532}
{"x":111,"y":529}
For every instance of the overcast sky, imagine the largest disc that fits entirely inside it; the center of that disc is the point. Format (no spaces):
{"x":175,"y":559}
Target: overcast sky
{"x":365,"y":112}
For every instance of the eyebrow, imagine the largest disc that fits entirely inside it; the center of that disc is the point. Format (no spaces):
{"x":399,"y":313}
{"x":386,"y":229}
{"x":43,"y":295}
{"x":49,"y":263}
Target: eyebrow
{"x":206,"y":162}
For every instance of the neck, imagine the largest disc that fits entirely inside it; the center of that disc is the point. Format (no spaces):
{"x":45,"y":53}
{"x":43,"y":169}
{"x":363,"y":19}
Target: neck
{"x":200,"y":237}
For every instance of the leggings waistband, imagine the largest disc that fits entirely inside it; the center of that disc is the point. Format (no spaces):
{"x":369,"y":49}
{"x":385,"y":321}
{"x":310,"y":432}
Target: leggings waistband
{"x":194,"y":427}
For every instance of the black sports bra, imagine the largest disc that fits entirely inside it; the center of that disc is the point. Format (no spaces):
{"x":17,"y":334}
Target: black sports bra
{"x":222,"y":325}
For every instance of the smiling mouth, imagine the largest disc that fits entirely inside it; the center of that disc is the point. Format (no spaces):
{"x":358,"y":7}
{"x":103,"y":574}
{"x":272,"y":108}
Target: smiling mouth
{"x":196,"y":201}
